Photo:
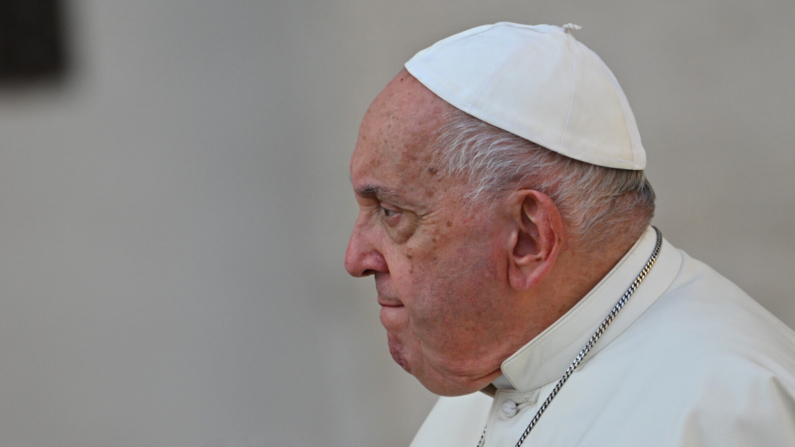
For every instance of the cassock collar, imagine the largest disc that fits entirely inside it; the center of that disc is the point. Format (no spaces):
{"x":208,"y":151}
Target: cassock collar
{"x":547,"y":356}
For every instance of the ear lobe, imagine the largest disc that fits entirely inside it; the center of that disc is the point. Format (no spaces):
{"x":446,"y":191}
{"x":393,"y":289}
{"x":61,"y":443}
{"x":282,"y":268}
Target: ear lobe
{"x":536,"y":239}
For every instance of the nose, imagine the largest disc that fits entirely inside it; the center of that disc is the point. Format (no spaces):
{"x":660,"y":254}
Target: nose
{"x":362,"y":258}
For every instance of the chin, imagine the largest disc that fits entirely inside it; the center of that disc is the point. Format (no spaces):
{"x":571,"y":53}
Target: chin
{"x":397,"y":351}
{"x":450,"y":389}
{"x":450,"y":385}
{"x":434,"y":379}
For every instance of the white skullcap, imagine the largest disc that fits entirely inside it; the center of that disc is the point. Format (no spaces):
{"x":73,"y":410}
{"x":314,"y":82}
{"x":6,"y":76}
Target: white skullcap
{"x":539,"y":83}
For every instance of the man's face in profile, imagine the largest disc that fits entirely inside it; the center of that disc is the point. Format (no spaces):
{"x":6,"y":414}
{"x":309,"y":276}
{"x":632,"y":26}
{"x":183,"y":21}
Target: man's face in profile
{"x":438,"y":266}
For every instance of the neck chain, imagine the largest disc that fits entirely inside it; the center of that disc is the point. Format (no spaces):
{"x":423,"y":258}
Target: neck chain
{"x":591,"y":342}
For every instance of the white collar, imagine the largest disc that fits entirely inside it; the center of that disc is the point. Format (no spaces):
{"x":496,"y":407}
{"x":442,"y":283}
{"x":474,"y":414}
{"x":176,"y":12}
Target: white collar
{"x":545,"y":358}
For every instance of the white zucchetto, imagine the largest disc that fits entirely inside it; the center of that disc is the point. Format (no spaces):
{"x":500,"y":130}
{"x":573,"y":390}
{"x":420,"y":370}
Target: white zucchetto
{"x":539,"y":83}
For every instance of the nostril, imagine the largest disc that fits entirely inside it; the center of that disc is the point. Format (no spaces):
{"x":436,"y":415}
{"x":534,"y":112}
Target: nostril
{"x":363,"y":260}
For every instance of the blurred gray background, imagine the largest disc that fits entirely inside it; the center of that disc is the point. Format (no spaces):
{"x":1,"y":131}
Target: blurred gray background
{"x":175,"y":210}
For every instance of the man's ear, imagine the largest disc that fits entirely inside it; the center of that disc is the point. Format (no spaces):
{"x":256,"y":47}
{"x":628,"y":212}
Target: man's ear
{"x":536,"y":239}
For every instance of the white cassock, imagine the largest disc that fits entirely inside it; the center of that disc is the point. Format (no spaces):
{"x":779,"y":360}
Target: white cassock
{"x":691,"y":360}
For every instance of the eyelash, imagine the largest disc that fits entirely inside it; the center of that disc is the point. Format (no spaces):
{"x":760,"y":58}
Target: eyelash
{"x":388,"y":213}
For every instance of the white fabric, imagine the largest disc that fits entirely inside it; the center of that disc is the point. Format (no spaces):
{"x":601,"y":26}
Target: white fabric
{"x":691,"y":360}
{"x":537,"y":82}
{"x":502,"y":383}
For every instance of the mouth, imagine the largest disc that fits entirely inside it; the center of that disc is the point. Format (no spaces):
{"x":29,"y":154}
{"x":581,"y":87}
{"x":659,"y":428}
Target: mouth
{"x":389,"y":302}
{"x":393,"y":315}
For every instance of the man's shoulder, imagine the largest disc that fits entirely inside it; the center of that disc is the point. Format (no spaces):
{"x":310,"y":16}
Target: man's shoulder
{"x":705,"y":323}
{"x":705,"y":364}
{"x":701,"y":304}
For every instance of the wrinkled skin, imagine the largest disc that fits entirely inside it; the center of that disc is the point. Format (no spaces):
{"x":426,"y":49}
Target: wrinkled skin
{"x":460,"y":289}
{"x":433,"y":262}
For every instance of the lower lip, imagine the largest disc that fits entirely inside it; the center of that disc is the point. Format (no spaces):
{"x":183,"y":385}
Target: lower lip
{"x":391,"y":316}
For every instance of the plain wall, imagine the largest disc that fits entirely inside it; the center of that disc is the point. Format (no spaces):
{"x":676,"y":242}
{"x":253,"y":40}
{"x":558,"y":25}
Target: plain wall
{"x":174,"y":214}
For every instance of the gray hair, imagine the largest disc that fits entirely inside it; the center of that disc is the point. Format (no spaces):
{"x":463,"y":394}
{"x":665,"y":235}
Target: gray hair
{"x":598,"y":203}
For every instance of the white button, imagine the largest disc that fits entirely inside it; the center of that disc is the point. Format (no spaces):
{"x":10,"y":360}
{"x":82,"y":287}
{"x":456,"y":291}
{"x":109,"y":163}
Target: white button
{"x":509,"y":408}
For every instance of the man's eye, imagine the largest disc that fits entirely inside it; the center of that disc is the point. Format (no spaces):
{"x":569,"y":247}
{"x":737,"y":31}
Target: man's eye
{"x":388,"y":213}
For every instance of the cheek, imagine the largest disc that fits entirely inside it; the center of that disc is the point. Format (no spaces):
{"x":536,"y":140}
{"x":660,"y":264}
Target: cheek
{"x":408,"y":269}
{"x":448,"y":285}
{"x":460,"y":306}
{"x":456,"y":300}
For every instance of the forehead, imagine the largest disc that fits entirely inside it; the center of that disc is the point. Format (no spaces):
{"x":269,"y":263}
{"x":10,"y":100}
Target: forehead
{"x":393,"y":149}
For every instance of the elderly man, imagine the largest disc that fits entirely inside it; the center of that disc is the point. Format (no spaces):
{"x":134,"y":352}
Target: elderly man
{"x":504,"y":215}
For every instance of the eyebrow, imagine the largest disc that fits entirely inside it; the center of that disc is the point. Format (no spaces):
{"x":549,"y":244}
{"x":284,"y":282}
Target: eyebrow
{"x":380,"y":192}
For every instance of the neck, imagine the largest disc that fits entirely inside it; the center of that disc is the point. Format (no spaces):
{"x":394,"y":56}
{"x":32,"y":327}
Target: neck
{"x":575,"y":274}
